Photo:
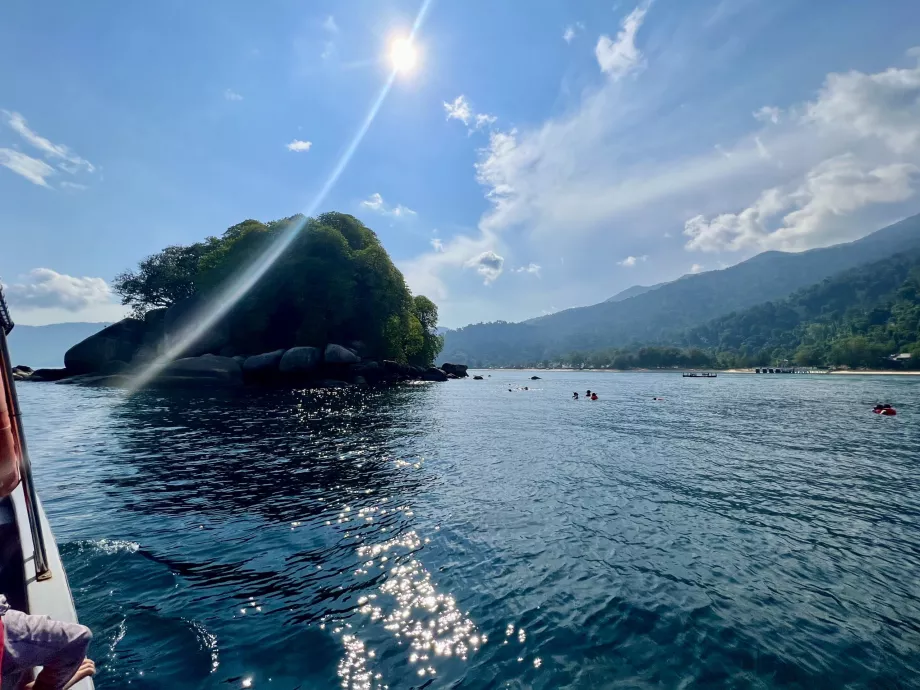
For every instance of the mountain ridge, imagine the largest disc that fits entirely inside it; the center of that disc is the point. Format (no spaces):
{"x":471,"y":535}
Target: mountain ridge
{"x":656,"y":315}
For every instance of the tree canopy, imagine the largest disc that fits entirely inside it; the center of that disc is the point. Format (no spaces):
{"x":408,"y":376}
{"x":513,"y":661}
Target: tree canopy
{"x":334,"y":282}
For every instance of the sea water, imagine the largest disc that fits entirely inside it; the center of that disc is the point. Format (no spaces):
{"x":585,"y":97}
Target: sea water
{"x":744,"y":531}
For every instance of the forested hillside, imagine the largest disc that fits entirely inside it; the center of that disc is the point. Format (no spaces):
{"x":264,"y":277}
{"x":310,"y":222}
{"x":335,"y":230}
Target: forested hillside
{"x":335,"y":283}
{"x":662,"y":315}
{"x":858,"y":318}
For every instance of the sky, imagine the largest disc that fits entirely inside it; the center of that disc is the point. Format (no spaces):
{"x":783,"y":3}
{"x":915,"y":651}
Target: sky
{"x":538,"y":156}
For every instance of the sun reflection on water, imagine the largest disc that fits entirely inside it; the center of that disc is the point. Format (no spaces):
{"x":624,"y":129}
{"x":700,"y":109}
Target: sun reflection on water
{"x":407,"y":604}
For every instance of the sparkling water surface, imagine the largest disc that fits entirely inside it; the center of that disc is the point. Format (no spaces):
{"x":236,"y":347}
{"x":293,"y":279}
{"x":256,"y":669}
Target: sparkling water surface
{"x":745,"y":531}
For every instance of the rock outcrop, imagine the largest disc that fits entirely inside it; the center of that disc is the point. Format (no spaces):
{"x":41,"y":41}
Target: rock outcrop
{"x":458,"y":370}
{"x":300,"y":360}
{"x":120,"y":341}
{"x":266,"y":363}
{"x":203,"y":370}
{"x":111,"y":356}
{"x":336,"y":354}
{"x":434,"y":374}
{"x":49,"y":374}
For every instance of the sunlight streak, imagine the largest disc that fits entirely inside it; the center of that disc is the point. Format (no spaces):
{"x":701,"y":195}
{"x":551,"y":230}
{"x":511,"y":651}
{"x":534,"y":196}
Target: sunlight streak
{"x":220,"y":304}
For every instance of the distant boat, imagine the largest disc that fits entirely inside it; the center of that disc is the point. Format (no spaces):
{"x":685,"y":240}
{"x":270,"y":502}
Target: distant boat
{"x":700,"y":375}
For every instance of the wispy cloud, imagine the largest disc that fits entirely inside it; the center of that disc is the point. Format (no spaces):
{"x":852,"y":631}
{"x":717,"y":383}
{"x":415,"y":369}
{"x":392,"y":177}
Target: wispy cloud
{"x":768,"y":113}
{"x":619,"y":57}
{"x":696,"y":268}
{"x":330,"y":26}
{"x":631,"y":261}
{"x":67,"y":159}
{"x":460,"y":109}
{"x":231,"y":95}
{"x":44,"y":288}
{"x":571,"y":31}
{"x":76,"y":186}
{"x":531,"y":268}
{"x":34,"y":170}
{"x":437,"y":245}
{"x":299,"y":146}
{"x":376,"y":203}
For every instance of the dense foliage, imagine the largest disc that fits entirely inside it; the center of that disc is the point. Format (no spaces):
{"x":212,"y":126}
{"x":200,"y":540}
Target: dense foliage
{"x":858,"y":318}
{"x":334,"y":283}
{"x":661,"y":314}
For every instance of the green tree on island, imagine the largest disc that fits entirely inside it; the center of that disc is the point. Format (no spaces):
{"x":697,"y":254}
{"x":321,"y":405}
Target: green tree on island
{"x":334,"y":283}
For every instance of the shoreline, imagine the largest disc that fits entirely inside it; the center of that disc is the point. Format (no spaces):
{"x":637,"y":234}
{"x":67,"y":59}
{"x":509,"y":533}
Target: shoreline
{"x":842,"y":372}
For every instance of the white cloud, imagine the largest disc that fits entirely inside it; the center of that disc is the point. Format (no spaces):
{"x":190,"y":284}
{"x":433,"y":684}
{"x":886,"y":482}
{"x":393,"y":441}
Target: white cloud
{"x":231,"y":95}
{"x":328,"y":50}
{"x":34,"y":170}
{"x":73,"y":185}
{"x":459,"y":109}
{"x":619,"y":57}
{"x":330,"y":26}
{"x":299,"y":146}
{"x":571,"y":31}
{"x":437,"y":245}
{"x":44,"y":288}
{"x":488,"y":264}
{"x":885,"y":105}
{"x":631,"y":261}
{"x":69,"y":161}
{"x":768,"y":113}
{"x":376,"y":203}
{"x":484,"y":120}
{"x":761,"y":148}
{"x":425,"y":274}
{"x":696,"y":268}
{"x":531,"y":268}
{"x":812,"y":209}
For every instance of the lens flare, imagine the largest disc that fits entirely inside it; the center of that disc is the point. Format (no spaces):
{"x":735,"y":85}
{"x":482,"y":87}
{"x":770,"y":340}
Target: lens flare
{"x":223,"y":301}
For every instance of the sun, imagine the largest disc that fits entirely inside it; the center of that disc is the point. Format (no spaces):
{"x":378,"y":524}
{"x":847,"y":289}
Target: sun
{"x":403,"y":55}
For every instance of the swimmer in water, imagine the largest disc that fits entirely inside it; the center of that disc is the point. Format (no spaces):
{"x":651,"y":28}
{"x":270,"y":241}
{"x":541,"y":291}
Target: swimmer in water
{"x":594,"y":396}
{"x":575,"y":395}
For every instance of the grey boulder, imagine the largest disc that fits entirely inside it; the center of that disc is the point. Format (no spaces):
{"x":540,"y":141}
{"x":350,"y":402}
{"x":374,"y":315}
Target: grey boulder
{"x":300,"y":360}
{"x":267,"y":362}
{"x":117,"y":342}
{"x":336,"y":354}
{"x":204,"y":370}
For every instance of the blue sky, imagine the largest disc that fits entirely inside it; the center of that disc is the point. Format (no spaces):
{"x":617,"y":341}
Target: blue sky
{"x":541,"y":155}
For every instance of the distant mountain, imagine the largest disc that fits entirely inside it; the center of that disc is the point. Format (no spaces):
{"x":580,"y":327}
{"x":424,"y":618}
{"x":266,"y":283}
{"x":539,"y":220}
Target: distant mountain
{"x":44,"y":346}
{"x":634,"y":291}
{"x":658,"y":315}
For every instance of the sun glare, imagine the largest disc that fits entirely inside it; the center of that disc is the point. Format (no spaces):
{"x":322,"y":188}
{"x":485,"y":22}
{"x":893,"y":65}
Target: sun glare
{"x":403,"y":55}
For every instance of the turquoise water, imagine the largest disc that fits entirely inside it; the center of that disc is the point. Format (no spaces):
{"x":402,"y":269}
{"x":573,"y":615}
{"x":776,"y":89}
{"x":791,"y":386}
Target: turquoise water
{"x":743,"y":532}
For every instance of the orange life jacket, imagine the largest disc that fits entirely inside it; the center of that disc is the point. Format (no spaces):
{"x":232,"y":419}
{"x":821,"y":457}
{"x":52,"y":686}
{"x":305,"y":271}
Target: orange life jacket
{"x":10,"y":450}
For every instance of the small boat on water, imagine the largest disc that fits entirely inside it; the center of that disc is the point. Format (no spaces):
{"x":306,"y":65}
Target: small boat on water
{"x":31,"y":574}
{"x":700,"y":375}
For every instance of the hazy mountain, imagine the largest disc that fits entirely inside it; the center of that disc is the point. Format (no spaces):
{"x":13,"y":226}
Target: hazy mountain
{"x":658,"y":314}
{"x":634,"y":291}
{"x":44,"y":346}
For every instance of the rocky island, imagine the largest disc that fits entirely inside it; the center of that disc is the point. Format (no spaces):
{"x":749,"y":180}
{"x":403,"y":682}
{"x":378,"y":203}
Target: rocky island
{"x":333,"y":310}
